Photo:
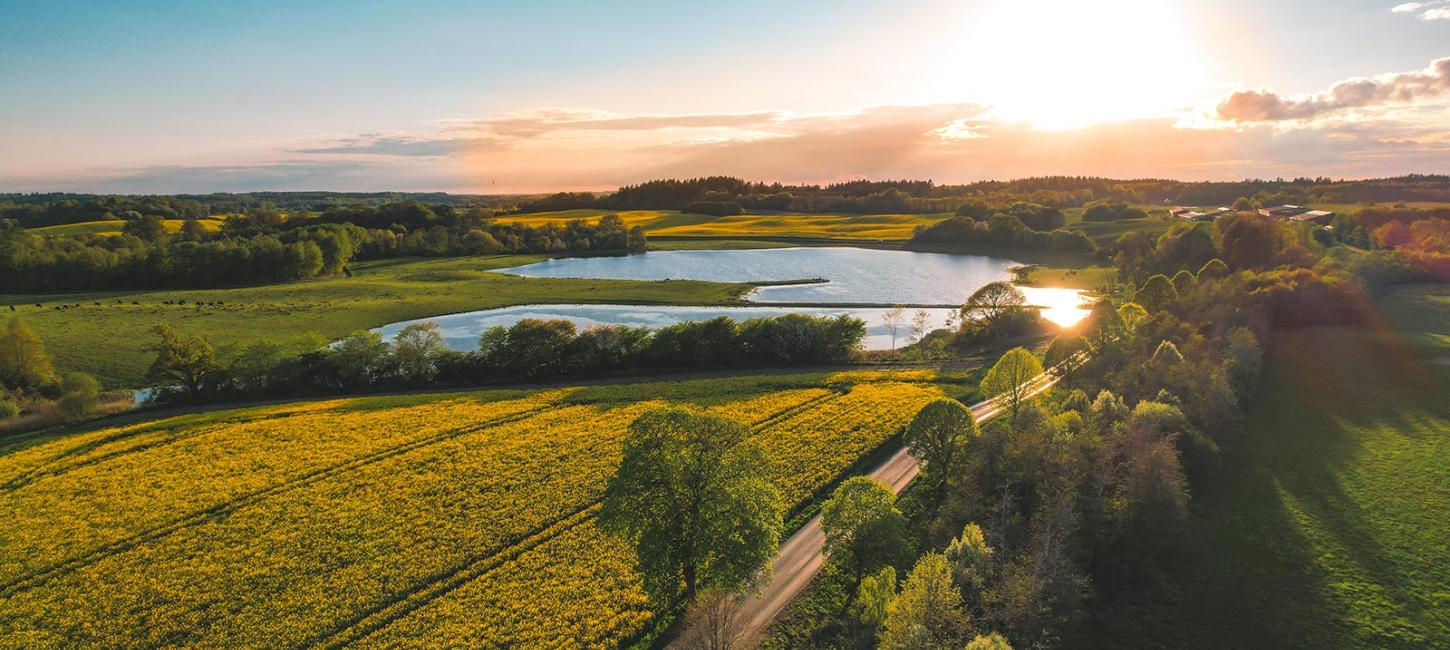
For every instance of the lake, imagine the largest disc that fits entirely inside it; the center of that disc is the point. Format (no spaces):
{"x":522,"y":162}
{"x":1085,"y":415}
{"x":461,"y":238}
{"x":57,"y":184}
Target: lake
{"x":854,"y":276}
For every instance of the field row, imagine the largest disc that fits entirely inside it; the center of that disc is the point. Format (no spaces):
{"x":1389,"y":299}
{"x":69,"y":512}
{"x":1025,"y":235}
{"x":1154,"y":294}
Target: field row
{"x":374,"y":518}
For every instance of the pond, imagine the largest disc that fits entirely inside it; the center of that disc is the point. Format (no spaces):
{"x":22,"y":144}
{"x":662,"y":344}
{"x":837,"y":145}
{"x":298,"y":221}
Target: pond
{"x":855,"y":279}
{"x":854,"y":275}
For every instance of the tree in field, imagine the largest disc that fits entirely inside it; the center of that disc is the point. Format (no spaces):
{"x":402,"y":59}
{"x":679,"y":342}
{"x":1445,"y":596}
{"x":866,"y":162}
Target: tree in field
{"x":990,"y":304}
{"x":1158,"y":292}
{"x":936,"y":437}
{"x":892,"y":319}
{"x":192,"y":230}
{"x":187,"y":361}
{"x":148,"y":228}
{"x":1008,"y":376}
{"x":24,"y":364}
{"x":691,"y":496}
{"x":928,"y":613}
{"x":864,"y":530}
{"x":79,"y":395}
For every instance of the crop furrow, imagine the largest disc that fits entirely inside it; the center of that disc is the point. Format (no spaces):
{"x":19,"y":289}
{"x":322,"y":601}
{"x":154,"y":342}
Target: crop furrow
{"x":40,"y":577}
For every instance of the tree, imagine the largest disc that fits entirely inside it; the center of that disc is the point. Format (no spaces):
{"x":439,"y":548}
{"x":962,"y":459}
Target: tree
{"x":1132,"y":313}
{"x":715,"y":621}
{"x":993,"y":302}
{"x":8,"y":408}
{"x":875,"y":599}
{"x":892,"y":319}
{"x":1157,"y":293}
{"x":972,"y":561}
{"x":192,"y":230}
{"x":416,"y":349}
{"x":991,"y":641}
{"x":1008,"y":377}
{"x":148,"y":228}
{"x":188,"y":361}
{"x":928,"y":613}
{"x":1184,"y":280}
{"x":864,"y":530}
{"x":691,"y":496}
{"x":1213,"y":269}
{"x":79,"y":395}
{"x":24,"y":364}
{"x":920,"y":324}
{"x":936,"y":436}
{"x":359,"y":357}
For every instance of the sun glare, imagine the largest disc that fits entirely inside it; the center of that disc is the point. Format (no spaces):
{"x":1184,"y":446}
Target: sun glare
{"x":1061,"y":64}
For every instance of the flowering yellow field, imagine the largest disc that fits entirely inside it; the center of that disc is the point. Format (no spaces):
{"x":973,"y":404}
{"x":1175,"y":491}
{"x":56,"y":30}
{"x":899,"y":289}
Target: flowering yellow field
{"x":418,"y":520}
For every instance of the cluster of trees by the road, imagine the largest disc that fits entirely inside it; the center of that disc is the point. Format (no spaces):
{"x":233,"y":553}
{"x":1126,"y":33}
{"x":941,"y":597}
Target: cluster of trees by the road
{"x":265,"y":245}
{"x":30,"y":384}
{"x":726,"y":195}
{"x":188,"y":368}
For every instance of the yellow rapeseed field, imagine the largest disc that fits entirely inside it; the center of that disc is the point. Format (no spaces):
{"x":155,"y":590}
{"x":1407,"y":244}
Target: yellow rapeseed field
{"x":418,"y":520}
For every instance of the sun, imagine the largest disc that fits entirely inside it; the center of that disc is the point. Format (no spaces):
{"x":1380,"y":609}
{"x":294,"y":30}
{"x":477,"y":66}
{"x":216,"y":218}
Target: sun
{"x":1061,"y":64}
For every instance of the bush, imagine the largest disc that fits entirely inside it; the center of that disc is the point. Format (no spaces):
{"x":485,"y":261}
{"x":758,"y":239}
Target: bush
{"x":80,"y":396}
{"x":1110,"y":211}
{"x":8,"y":409}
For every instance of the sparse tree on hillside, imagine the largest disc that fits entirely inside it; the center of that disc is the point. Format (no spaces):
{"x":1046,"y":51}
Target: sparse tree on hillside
{"x":920,"y":324}
{"x":1009,"y":376}
{"x":691,"y":496}
{"x":24,"y":364}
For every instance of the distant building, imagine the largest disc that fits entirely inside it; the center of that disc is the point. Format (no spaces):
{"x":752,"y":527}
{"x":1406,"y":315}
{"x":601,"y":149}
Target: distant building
{"x":1321,"y":217}
{"x":1283,"y":211}
{"x":1198,"y":214}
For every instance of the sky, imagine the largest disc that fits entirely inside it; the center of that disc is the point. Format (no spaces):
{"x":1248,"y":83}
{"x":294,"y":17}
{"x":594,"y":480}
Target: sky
{"x":545,"y":95}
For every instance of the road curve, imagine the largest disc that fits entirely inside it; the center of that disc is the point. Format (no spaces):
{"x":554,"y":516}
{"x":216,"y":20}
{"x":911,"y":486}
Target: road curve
{"x":800,"y":557}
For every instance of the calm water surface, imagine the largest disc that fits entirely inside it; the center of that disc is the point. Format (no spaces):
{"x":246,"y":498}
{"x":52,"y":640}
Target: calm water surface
{"x":854,"y":275}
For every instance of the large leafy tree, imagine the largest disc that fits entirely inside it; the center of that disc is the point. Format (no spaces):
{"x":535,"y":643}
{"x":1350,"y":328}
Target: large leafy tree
{"x":186,"y":361}
{"x":24,"y":363}
{"x":691,"y":496}
{"x":863,"y":527}
{"x":928,"y":613}
{"x":992,"y":303}
{"x":937,"y":435}
{"x":1008,"y":378}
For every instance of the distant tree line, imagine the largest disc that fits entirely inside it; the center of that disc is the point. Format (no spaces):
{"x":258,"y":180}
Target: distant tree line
{"x":189,"y":368}
{"x":1002,"y":230}
{"x":35,"y":210}
{"x":909,"y":196}
{"x":264,"y":245}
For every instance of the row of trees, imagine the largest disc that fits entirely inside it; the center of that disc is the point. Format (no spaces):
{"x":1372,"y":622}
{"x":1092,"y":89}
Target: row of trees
{"x":188,"y":367}
{"x":265,"y":247}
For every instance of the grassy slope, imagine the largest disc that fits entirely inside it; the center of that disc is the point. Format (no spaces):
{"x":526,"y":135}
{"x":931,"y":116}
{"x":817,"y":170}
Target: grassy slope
{"x":1329,"y":528}
{"x":110,"y":340}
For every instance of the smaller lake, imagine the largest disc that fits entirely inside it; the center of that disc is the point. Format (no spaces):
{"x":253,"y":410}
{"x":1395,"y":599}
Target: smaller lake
{"x":853,"y":275}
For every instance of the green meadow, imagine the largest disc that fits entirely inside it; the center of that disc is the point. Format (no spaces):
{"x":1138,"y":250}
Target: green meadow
{"x":107,"y":333}
{"x":1330,"y":527}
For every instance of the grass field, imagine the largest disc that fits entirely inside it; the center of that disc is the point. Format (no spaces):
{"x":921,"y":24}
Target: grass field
{"x":1104,"y":233}
{"x":113,"y":227}
{"x":110,"y":340}
{"x":1329,"y":527}
{"x":458,"y":519}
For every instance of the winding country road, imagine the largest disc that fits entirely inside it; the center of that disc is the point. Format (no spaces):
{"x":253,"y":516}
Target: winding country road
{"x":800,"y":557}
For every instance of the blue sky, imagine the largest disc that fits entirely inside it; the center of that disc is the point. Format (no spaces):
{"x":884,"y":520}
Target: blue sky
{"x":192,"y":96}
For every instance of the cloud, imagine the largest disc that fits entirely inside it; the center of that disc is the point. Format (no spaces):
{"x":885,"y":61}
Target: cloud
{"x":403,"y":145}
{"x":1430,"y":10}
{"x":1404,"y":88}
{"x":548,"y":120}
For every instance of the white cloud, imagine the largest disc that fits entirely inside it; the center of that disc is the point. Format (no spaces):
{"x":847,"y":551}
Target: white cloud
{"x":1407,"y":7}
{"x":1442,"y":13}
{"x":1429,"y":10}
{"x":1394,"y":89}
